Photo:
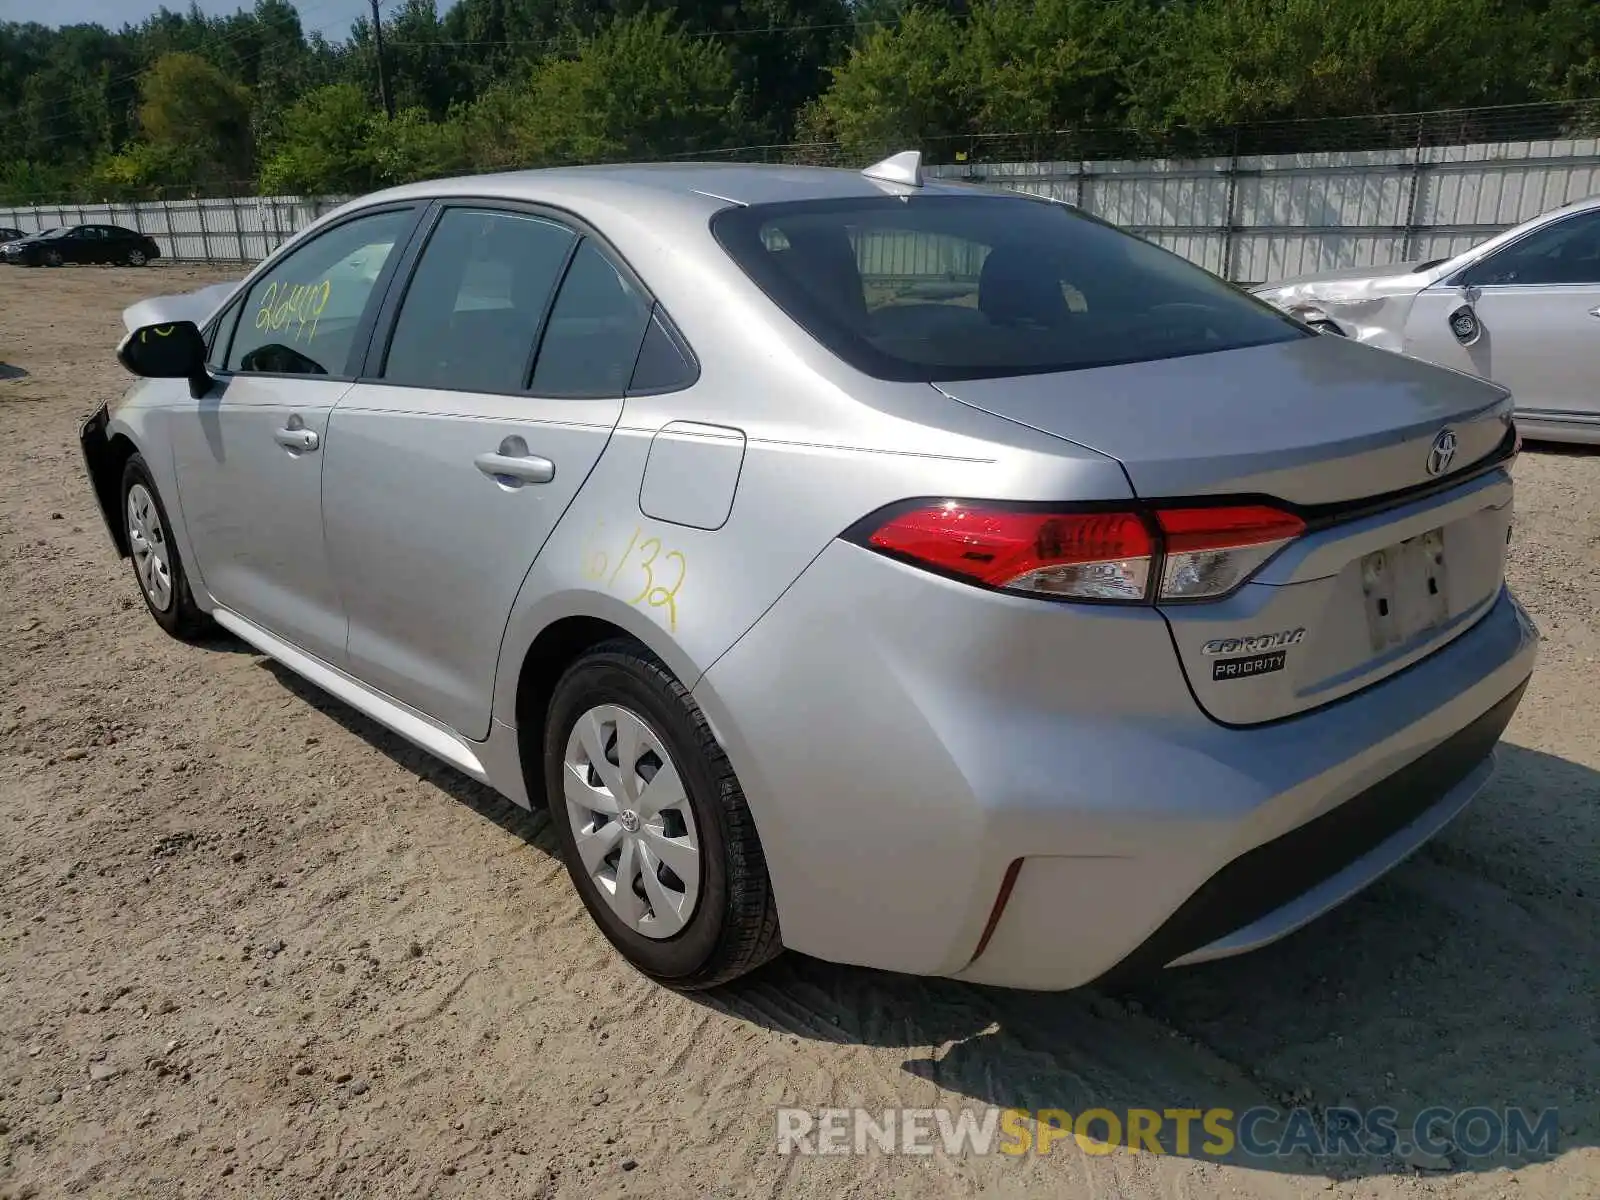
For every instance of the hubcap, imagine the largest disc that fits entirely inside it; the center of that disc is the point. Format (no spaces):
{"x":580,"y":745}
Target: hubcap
{"x":148,"y":541}
{"x":136,"y":258}
{"x":631,"y":820}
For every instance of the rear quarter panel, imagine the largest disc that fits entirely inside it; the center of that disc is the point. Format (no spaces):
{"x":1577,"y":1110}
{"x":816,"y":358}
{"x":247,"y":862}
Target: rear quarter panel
{"x":690,"y":593}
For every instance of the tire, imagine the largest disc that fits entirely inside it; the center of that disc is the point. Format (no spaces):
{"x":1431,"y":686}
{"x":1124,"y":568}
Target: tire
{"x":52,"y":258}
{"x":166,"y":593}
{"x":728,"y":926}
{"x":136,"y":258}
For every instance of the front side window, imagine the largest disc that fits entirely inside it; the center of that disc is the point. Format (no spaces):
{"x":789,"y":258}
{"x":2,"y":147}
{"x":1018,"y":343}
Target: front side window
{"x":1563,"y":252}
{"x":472,"y":311}
{"x":300,"y":318}
{"x":967,"y":287}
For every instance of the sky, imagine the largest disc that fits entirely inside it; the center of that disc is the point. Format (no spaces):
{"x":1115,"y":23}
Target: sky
{"x":332,"y":18}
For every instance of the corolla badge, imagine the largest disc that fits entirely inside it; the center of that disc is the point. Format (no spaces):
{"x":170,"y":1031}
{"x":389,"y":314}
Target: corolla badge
{"x":1254,"y":644}
{"x":1442,"y":453}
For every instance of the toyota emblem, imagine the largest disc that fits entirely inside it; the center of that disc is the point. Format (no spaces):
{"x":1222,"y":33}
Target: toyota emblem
{"x":1442,"y":453}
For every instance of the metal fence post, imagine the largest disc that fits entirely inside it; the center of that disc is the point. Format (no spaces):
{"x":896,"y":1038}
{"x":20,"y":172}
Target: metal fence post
{"x":238,"y":227}
{"x":1230,"y":226}
{"x":166,"y":218}
{"x":1413,"y":195}
{"x":205,"y":232}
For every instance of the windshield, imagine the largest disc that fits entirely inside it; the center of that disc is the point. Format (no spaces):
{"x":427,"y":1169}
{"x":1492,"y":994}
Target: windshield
{"x":55,"y":233}
{"x":948,"y":287}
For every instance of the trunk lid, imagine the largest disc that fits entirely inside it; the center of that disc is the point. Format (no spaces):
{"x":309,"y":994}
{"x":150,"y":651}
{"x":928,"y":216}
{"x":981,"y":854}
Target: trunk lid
{"x":1395,"y":563}
{"x":1313,"y":421}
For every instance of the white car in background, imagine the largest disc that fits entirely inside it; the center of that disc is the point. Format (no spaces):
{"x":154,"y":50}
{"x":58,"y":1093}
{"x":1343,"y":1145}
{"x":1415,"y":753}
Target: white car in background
{"x":1521,"y":309}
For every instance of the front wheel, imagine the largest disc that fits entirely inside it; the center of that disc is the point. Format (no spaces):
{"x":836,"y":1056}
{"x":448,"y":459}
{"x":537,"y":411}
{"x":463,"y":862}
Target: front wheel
{"x":52,"y":258}
{"x":156,"y":563}
{"x":652,"y":822}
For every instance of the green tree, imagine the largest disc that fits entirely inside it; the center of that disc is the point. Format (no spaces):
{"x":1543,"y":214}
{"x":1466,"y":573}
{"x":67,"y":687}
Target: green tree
{"x":321,"y":146}
{"x":902,"y":85}
{"x":1052,"y":64}
{"x":1567,"y":57}
{"x":1223,"y":62}
{"x":410,"y":146}
{"x":640,"y":88}
{"x":194,"y":118}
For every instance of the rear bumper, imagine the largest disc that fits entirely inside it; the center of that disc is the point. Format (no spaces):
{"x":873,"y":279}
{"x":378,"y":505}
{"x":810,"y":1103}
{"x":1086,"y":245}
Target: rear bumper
{"x":1539,"y":425}
{"x":904,"y":742}
{"x":1281,"y":885}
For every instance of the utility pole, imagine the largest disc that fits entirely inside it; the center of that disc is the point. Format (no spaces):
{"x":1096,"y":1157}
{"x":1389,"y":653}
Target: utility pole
{"x":383,"y":76}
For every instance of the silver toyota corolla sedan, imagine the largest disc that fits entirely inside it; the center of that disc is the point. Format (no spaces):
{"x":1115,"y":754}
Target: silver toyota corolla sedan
{"x":902,"y":573}
{"x":1522,"y":309}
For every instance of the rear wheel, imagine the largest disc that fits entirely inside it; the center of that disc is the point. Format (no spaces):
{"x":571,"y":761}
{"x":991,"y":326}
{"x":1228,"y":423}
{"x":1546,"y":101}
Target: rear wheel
{"x":156,"y":563}
{"x":136,"y":257}
{"x":652,"y":822}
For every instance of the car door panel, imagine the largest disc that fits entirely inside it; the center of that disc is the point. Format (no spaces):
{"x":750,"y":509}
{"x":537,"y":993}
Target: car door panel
{"x":447,"y":470}
{"x":1536,"y":301}
{"x":249,"y":454}
{"x":1542,"y":342}
{"x":430,"y":545}
{"x":252,"y":504}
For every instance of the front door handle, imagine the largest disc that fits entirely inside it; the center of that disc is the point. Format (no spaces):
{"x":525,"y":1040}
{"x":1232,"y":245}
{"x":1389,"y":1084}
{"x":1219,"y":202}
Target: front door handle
{"x":297,"y":439}
{"x":525,"y":468}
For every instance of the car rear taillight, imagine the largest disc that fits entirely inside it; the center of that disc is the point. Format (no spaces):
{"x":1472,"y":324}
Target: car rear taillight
{"x":1097,"y":556}
{"x":1130,"y":556}
{"x":1210,"y":551}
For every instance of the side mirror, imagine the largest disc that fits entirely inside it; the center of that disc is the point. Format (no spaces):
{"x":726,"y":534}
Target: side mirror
{"x":175,"y":351}
{"x":1464,"y":323}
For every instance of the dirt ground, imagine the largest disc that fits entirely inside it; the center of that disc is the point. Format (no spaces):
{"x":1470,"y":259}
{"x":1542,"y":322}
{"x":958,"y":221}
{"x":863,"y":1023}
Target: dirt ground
{"x":253,"y":945}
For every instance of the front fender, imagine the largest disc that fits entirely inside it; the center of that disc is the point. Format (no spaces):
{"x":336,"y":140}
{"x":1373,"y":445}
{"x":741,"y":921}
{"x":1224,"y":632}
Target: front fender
{"x":137,"y":424}
{"x":104,"y":466}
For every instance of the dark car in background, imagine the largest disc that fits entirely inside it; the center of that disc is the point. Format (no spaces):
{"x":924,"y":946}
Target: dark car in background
{"x":7,"y":234}
{"x":82,"y":244}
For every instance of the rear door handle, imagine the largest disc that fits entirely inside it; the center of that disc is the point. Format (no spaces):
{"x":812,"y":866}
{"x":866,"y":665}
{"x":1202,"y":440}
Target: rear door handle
{"x":297,"y":439}
{"x":528,"y":468}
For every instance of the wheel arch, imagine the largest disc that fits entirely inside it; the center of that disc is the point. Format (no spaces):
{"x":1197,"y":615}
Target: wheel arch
{"x":106,"y":451}
{"x":544,"y":655}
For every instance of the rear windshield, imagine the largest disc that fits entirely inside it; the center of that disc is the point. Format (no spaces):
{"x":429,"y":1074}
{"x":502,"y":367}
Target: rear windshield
{"x":948,"y":287}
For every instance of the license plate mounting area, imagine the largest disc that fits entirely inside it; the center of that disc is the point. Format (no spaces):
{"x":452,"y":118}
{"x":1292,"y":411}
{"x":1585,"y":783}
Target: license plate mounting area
{"x":1407,"y":589}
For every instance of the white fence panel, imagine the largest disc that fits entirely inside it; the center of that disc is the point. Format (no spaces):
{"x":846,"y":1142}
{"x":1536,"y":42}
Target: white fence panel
{"x":1252,"y":218}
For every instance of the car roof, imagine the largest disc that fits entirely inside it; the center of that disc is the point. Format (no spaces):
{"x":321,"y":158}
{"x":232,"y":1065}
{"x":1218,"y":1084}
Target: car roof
{"x":696,"y":184}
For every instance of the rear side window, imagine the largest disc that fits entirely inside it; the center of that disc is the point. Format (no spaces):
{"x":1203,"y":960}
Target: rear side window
{"x":592,"y":339}
{"x":970,"y":287}
{"x":472,"y":312}
{"x":665,"y":364}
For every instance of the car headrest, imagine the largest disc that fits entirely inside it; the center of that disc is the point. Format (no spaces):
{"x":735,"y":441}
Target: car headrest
{"x":1015,"y":286}
{"x":824,"y":263}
